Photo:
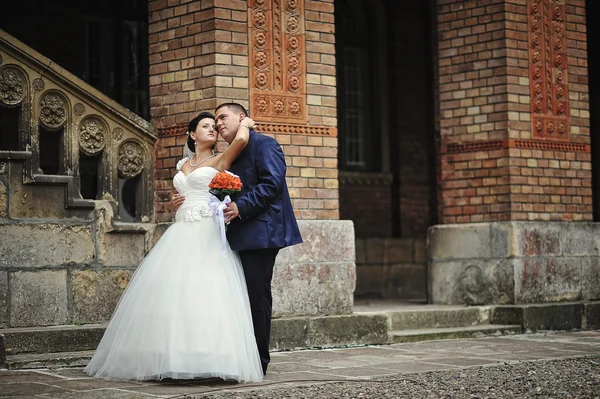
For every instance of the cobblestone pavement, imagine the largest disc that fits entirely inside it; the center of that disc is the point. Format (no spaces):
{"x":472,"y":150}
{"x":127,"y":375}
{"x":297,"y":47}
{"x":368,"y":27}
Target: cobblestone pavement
{"x":546,"y":365}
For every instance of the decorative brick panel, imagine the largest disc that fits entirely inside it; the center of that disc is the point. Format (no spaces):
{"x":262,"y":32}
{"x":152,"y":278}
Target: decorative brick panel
{"x":277,"y":60}
{"x":548,"y":73}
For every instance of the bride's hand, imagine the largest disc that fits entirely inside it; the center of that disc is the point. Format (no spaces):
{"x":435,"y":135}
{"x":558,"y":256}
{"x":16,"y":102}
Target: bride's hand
{"x":176,"y":201}
{"x":249,"y":122}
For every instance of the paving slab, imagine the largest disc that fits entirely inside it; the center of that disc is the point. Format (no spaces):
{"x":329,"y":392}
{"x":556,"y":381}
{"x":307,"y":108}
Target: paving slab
{"x":301,"y":372}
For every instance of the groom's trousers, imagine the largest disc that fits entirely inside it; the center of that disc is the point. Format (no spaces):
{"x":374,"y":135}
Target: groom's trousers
{"x":258,"y":270}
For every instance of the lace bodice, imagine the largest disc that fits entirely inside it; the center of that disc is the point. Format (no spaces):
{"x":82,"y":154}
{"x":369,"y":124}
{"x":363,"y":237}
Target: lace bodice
{"x":194,"y":187}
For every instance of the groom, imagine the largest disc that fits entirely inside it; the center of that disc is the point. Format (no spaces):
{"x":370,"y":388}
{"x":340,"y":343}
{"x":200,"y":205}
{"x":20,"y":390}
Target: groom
{"x":261,"y":217}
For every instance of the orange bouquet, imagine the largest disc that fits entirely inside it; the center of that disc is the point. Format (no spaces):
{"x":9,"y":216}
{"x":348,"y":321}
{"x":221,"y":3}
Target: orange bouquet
{"x":224,"y":184}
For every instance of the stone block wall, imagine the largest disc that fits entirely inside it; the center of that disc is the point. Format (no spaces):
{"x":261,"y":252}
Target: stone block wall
{"x":391,"y":268}
{"x":514,"y":263}
{"x":54,"y":272}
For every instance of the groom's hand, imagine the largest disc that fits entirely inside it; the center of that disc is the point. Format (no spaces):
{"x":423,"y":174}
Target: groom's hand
{"x":231,"y":212}
{"x":176,"y":201}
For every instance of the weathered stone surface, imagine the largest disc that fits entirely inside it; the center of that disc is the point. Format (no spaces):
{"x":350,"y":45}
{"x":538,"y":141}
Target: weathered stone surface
{"x":40,"y":202}
{"x":590,"y":278}
{"x":439,"y":318}
{"x":2,"y":351}
{"x":54,"y":339}
{"x":117,"y":248}
{"x":309,"y":289}
{"x":36,"y":202}
{"x":507,"y":315}
{"x":552,"y":316}
{"x":287,"y":334}
{"x":545,"y":279}
{"x":317,"y":276}
{"x":3,"y":298}
{"x":96,"y":293}
{"x":553,"y":261}
{"x":591,"y":313}
{"x":38,"y":298}
{"x":49,"y":244}
{"x":537,"y":239}
{"x":295,"y":290}
{"x":121,"y":249}
{"x":324,"y":241}
{"x":467,"y":241}
{"x":336,"y":288}
{"x":347,"y":330}
{"x":3,"y":200}
{"x":580,"y":239}
{"x":471,"y":282}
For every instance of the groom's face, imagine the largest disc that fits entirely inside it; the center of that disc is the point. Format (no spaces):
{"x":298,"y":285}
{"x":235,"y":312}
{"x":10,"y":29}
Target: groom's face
{"x":228,"y":123}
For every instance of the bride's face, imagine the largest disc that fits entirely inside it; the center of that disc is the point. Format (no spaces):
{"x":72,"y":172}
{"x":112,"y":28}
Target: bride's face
{"x":206,"y":133}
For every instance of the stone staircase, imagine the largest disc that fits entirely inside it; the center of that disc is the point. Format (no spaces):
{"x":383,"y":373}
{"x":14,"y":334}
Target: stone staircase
{"x":411,"y":323}
{"x":71,"y":346}
{"x":372,"y":323}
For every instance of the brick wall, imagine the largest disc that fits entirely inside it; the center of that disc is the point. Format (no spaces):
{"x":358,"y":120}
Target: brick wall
{"x":496,"y":163}
{"x":199,"y":58}
{"x":396,"y":201}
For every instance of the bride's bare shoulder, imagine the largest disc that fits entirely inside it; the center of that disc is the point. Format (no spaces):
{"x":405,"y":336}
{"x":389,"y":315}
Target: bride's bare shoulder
{"x":181,"y":163}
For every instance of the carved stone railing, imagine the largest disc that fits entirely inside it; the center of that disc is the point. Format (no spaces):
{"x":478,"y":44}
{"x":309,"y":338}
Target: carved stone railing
{"x":50,"y":98}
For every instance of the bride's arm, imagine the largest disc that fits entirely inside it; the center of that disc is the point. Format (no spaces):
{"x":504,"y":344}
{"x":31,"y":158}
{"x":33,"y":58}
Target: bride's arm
{"x":237,"y":145}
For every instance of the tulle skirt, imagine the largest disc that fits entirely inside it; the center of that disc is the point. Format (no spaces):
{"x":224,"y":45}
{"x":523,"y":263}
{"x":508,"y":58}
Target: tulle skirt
{"x":185,"y":314}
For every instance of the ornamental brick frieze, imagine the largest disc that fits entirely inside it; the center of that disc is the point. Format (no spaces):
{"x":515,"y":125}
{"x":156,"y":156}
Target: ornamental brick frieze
{"x":548,"y":70}
{"x":53,"y":110}
{"x":521,"y":144}
{"x":130,"y":159}
{"x":12,"y":85}
{"x":92,"y":135}
{"x":263,"y":127}
{"x":277,"y":60}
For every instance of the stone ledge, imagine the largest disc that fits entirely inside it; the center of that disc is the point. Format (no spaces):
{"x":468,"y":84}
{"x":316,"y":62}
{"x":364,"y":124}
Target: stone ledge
{"x":591,"y":316}
{"x":287,"y":334}
{"x":550,"y":316}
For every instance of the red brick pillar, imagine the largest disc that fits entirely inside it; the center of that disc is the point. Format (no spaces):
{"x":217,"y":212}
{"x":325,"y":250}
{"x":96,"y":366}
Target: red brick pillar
{"x":515,"y":154}
{"x":277,"y":58}
{"x":514,"y":112}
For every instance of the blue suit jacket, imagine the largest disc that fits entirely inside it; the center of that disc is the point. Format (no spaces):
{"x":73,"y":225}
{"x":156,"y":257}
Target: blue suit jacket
{"x":266,"y":216}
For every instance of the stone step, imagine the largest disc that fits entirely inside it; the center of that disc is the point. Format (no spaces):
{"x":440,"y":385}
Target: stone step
{"x":286,"y":334}
{"x":52,"y":339}
{"x":428,"y":334}
{"x":48,"y":360}
{"x":412,"y":317}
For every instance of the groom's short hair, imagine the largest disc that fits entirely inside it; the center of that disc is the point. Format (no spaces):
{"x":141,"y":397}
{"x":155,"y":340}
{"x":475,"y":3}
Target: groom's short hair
{"x":235,"y":107}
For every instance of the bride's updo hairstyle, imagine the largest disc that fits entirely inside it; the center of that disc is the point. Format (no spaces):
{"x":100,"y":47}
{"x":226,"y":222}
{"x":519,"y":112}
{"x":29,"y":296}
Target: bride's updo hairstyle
{"x":192,"y":128}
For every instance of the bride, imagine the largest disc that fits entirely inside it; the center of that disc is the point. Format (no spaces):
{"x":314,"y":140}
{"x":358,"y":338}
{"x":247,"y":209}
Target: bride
{"x":185,"y":313}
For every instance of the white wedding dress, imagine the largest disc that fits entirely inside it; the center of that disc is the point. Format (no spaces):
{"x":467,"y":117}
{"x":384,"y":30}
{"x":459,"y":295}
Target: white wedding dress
{"x":185,"y":313}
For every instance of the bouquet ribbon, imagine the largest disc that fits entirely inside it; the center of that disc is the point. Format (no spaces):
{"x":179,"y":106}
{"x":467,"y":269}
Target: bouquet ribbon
{"x":217,"y":208}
